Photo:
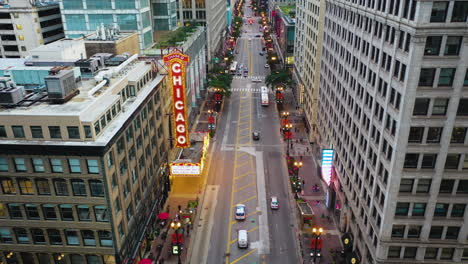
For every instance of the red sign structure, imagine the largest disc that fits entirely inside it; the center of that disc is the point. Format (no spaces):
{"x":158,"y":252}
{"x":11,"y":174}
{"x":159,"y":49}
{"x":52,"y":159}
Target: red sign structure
{"x":176,"y":62}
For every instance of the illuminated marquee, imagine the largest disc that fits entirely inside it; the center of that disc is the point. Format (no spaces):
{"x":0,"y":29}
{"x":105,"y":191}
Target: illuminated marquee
{"x":189,"y":168}
{"x":327,"y":164}
{"x":176,"y":61}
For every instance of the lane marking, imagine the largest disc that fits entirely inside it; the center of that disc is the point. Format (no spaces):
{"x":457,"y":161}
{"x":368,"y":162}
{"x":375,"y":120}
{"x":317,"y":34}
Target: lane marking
{"x":243,"y":187}
{"x":243,"y":174}
{"x":242,"y":165}
{"x":245,"y":200}
{"x":263,"y":218}
{"x":243,"y":256}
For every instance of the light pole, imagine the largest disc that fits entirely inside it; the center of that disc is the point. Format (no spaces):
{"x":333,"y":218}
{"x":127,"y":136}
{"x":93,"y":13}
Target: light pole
{"x":210,"y":121}
{"x":288,"y":136}
{"x":297,"y":165}
{"x":317,"y":232}
{"x":176,"y":227}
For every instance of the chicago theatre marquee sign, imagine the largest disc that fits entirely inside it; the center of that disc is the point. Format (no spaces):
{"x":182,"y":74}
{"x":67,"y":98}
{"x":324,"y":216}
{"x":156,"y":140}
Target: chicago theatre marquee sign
{"x":176,"y":62}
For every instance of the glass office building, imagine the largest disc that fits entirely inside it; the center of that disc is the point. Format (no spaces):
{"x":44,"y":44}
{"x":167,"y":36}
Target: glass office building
{"x":81,"y":17}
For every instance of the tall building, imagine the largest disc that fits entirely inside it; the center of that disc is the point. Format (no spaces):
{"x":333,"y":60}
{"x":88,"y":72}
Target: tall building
{"x":209,"y":13}
{"x":164,"y":15}
{"x":26,"y":24}
{"x":307,"y":53}
{"x":83,"y":163}
{"x":82,"y":17}
{"x":393,"y":104}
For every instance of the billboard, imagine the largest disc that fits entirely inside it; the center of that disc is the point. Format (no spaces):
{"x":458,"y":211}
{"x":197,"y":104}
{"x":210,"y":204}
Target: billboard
{"x":327,"y":164}
{"x":176,"y":62}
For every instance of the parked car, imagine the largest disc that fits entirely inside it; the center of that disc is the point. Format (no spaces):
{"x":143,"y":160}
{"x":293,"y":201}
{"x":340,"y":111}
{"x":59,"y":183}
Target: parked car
{"x":267,"y":65}
{"x":274,"y":203}
{"x":261,"y":53}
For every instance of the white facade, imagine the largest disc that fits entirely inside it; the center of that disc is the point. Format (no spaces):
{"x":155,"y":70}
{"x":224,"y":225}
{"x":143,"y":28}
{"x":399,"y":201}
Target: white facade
{"x":25,"y":26}
{"x":307,"y":53}
{"x":60,"y":50}
{"x":211,"y":14}
{"x":393,"y":103}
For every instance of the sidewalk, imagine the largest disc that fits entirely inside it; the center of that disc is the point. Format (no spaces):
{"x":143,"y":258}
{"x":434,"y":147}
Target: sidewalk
{"x":161,"y":249}
{"x":302,"y":151}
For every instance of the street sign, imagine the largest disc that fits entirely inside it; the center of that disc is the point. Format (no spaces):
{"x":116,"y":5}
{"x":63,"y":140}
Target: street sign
{"x":215,"y":59}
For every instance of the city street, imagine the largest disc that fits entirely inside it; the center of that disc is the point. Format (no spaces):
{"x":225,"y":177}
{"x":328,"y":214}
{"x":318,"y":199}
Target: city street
{"x":248,"y":172}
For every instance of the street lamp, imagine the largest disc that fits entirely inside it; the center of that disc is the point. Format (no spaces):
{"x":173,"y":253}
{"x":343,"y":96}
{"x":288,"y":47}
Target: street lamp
{"x":317,"y":232}
{"x":297,"y":165}
{"x":210,"y":121}
{"x":176,"y":227}
{"x":288,"y":136}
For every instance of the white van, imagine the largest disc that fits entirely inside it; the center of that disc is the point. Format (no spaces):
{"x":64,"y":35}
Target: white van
{"x":242,"y":239}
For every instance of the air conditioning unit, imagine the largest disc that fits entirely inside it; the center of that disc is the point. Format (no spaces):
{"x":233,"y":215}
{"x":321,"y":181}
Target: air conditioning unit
{"x":11,"y":95}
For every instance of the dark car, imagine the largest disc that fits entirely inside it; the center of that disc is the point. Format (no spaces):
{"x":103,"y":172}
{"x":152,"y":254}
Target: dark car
{"x":258,"y":36}
{"x":261,"y":53}
{"x":256,"y":135}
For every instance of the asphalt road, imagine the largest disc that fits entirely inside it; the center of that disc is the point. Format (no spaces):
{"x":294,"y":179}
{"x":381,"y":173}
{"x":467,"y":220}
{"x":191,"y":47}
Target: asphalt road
{"x":249,"y":172}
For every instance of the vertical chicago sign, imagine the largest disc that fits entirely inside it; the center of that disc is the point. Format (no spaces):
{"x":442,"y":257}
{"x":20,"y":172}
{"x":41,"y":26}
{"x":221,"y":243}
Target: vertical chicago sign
{"x":176,"y":62}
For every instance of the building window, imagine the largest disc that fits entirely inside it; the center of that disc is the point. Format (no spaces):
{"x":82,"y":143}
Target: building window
{"x":66,"y":212}
{"x":43,"y":187}
{"x":463,"y":107}
{"x":414,"y":231}
{"x":93,"y":167}
{"x":20,"y":164}
{"x":96,"y":188}
{"x":3,"y":133}
{"x":434,"y":134}
{"x":452,"y":232}
{"x":54,"y":132}
{"x":105,"y":238}
{"x":421,"y":106}
{"x":83,"y":213}
{"x":439,"y":11}
{"x":446,"y":76}
{"x":15,"y":211}
{"x":101,"y":213}
{"x":110,"y":159}
{"x":32,"y":211}
{"x":87,"y":131}
{"x":436,"y":232}
{"x":79,"y":187}
{"x":129,"y":212}
{"x":55,"y":238}
{"x":73,"y":132}
{"x":3,"y":165}
{"x":429,"y":161}
{"x":394,"y":252}
{"x":8,"y":187}
{"x":22,"y":236}
{"x":36,"y":132}
{"x":18,"y":131}
{"x":120,"y":145}
{"x":406,"y":185}
{"x":410,"y":252}
{"x":446,"y":186}
{"x":447,"y":253}
{"x":416,"y":135}
{"x":411,"y":160}
{"x":398,"y":231}
{"x":440,"y":106}
{"x":61,"y":187}
{"x":56,"y":165}
{"x":460,"y":11}
{"x":458,"y":135}
{"x":458,"y":210}
{"x":73,"y":4}
{"x":72,"y":237}
{"x":441,"y":209}
{"x":452,"y":161}
{"x":5,"y":236}
{"x":402,"y":209}
{"x":465,"y":82}
{"x":38,"y":165}
{"x":431,"y":253}
{"x":427,"y":77}
{"x":49,"y":212}
{"x":74,"y":165}
{"x":26,"y":186}
{"x":419,"y":209}
{"x":452,"y":47}
{"x":433,"y":45}
{"x":117,"y":206}
{"x":424,"y":185}
{"x":462,"y":186}
{"x":88,"y":237}
{"x":38,"y":236}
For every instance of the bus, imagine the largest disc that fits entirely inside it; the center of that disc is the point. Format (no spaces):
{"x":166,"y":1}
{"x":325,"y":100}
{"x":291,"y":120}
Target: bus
{"x":264,"y":91}
{"x":233,"y":68}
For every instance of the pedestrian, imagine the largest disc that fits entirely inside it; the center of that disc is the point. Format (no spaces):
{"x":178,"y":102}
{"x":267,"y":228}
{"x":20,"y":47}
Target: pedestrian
{"x":307,"y":149}
{"x":303,"y":182}
{"x":301,"y":157}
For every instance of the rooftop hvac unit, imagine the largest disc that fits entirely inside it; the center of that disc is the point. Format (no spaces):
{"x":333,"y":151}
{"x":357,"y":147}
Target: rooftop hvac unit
{"x":61,"y":85}
{"x":11,"y":95}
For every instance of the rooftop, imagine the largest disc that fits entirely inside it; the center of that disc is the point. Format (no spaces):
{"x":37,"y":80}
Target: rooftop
{"x":172,"y":38}
{"x":285,"y":9}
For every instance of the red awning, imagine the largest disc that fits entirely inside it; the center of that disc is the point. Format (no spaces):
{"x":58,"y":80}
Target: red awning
{"x":163,"y":216}
{"x":145,"y":261}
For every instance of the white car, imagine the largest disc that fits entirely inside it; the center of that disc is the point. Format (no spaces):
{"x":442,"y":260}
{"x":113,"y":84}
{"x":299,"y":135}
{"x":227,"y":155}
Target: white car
{"x":267,"y":65}
{"x":240,"y":211}
{"x":250,"y":39}
{"x":274,"y":203}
